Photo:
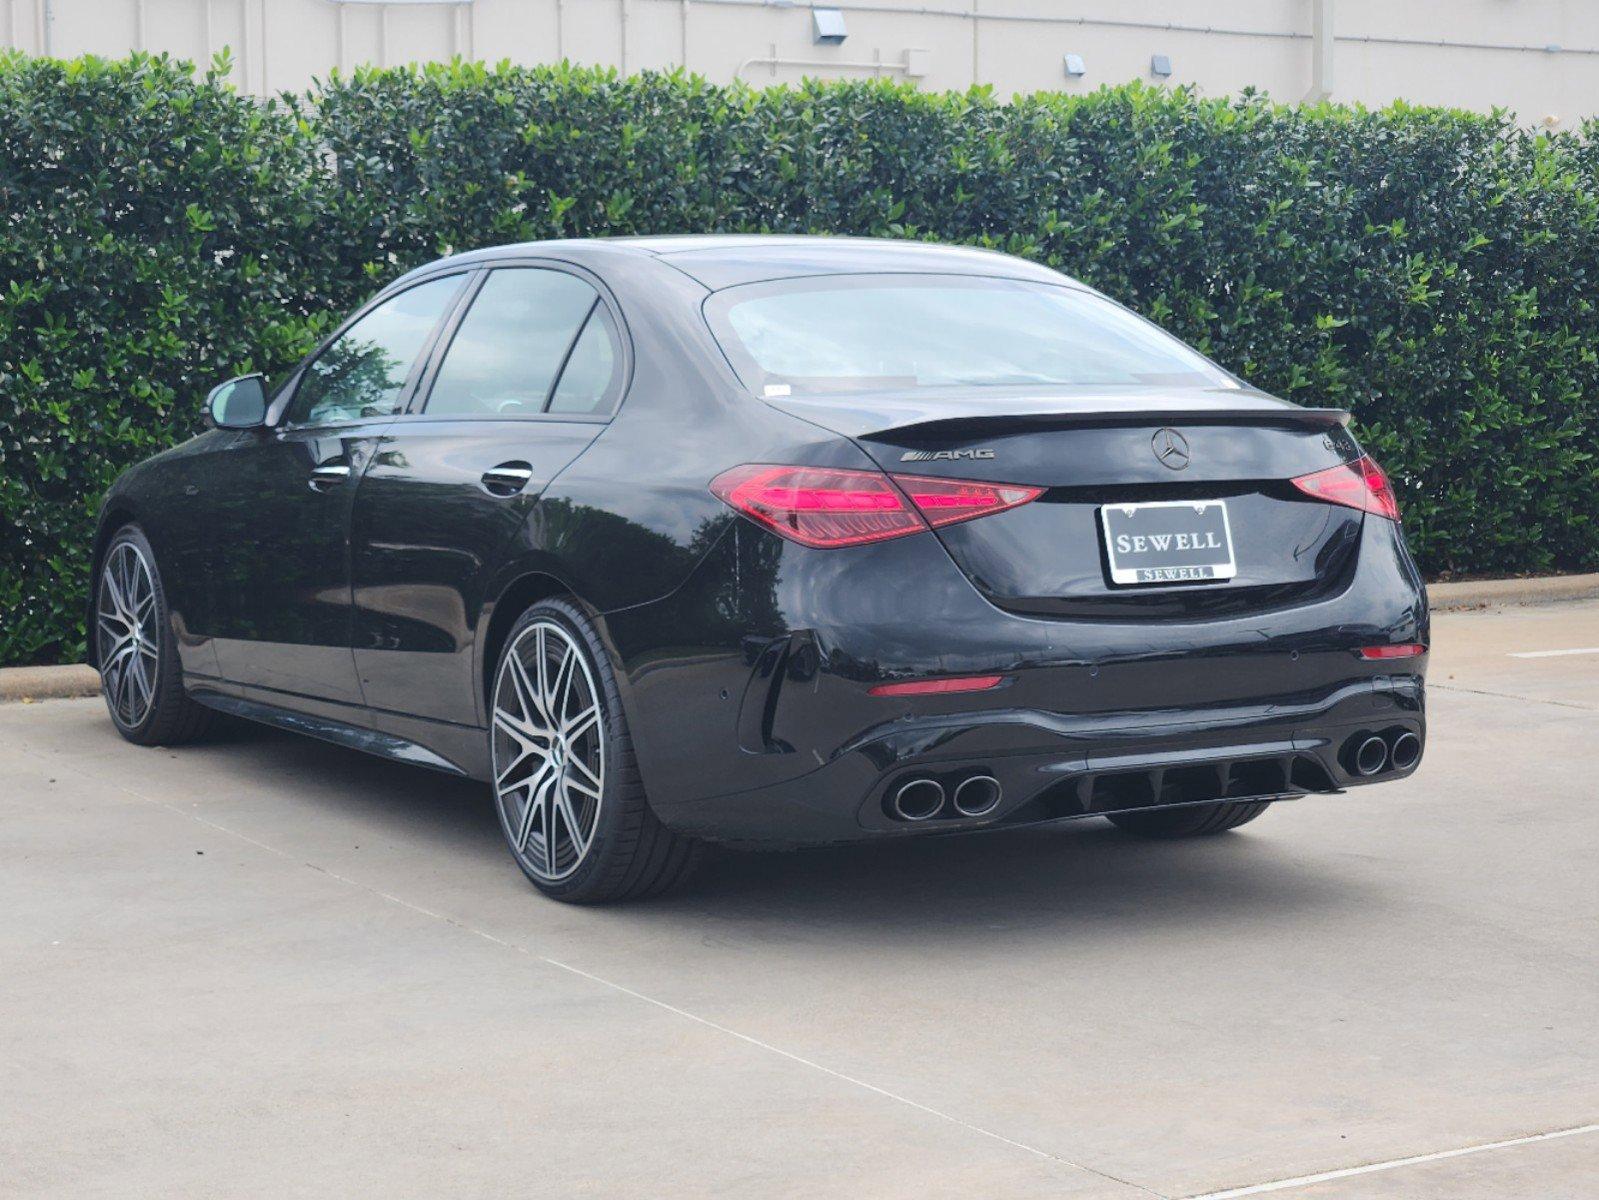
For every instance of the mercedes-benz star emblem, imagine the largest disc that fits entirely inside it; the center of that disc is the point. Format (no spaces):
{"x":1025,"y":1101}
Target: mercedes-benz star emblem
{"x":1171,"y":448}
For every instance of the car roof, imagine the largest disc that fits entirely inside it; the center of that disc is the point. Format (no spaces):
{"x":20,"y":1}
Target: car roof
{"x":726,"y":260}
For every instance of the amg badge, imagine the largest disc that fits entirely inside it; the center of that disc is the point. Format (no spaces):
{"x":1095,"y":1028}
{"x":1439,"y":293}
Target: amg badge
{"x":944,"y":455}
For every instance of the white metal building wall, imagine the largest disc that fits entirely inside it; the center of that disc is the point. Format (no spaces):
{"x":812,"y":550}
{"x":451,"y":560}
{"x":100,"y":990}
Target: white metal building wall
{"x":1539,"y":58}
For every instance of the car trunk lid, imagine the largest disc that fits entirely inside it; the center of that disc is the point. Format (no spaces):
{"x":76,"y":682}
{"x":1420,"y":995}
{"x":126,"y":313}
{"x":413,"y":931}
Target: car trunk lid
{"x":1191,"y":454}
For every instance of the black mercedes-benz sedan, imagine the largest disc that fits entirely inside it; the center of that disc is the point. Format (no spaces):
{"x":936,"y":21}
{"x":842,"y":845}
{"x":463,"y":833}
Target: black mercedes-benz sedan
{"x":772,"y":540}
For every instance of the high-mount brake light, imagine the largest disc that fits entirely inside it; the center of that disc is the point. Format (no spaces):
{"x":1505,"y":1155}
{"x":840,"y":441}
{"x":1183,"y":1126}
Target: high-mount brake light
{"x":829,"y":507}
{"x":1359,"y":483}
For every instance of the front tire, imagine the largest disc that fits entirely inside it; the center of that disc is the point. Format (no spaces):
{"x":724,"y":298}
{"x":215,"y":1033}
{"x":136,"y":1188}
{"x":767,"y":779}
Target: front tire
{"x":1189,"y":820}
{"x":140,"y":675}
{"x":566,"y":783}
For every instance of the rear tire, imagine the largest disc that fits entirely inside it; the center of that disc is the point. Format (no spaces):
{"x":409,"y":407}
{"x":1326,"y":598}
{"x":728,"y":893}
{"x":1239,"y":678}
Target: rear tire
{"x":566,"y":784}
{"x":1190,"y":820}
{"x":141,"y":676}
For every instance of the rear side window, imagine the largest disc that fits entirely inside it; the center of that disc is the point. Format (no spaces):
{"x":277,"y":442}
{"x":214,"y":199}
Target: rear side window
{"x":592,"y":378}
{"x":363,"y":371}
{"x":508,"y":352}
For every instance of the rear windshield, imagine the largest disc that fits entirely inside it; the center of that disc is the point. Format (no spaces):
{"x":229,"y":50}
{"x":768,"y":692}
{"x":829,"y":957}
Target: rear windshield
{"x":847,"y":333}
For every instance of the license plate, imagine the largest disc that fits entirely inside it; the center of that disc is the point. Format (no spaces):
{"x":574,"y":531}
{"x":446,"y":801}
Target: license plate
{"x":1169,"y":541}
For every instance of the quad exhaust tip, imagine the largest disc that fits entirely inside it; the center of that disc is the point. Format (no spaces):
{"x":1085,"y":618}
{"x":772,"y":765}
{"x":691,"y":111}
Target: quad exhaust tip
{"x":1406,"y":751}
{"x":919,"y":800}
{"x":977,"y":796}
{"x":1371,"y":756}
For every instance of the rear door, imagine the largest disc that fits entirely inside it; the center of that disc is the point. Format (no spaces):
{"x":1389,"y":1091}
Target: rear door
{"x":280,"y":524}
{"x":523,"y":382}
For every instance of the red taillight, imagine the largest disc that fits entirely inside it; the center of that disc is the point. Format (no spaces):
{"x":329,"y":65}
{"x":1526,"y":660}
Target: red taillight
{"x":829,"y":506}
{"x":1359,"y":484}
{"x":819,"y":506}
{"x":1396,"y":650}
{"x":937,"y":687}
{"x":946,"y":501}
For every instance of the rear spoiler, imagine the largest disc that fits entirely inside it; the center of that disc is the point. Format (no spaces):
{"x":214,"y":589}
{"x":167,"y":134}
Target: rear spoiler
{"x":955,"y":426}
{"x":878,"y":418}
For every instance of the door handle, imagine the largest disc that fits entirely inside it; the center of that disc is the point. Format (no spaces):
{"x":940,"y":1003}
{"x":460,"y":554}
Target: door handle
{"x":507,"y":479}
{"x":329,"y":474}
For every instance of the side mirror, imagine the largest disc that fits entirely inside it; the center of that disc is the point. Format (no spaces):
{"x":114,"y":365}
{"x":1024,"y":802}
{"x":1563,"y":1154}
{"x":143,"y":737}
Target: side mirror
{"x":240,"y":403}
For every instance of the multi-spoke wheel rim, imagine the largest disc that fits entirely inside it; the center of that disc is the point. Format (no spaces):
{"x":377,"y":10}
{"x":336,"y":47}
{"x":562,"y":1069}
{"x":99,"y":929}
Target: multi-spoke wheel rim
{"x":549,"y":751}
{"x":126,"y":628}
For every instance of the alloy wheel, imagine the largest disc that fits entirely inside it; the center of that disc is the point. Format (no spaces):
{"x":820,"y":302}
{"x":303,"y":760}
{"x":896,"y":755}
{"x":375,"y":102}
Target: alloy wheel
{"x":126,"y":628}
{"x":548,"y":746}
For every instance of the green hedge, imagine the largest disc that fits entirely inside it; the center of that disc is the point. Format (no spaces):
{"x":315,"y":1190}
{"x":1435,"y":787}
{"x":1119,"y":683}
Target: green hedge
{"x":1436,"y":271}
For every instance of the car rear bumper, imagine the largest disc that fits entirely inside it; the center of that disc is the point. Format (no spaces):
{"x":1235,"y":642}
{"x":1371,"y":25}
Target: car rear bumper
{"x":757,"y":724}
{"x":1049,"y":766}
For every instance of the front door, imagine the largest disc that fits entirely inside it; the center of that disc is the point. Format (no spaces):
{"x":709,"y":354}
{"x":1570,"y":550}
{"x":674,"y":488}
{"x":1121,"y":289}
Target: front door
{"x":281,"y":602}
{"x":529,"y":377}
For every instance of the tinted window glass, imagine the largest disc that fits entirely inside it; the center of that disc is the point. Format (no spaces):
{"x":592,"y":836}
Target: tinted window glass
{"x":511,"y":343}
{"x":855,"y":333}
{"x":362,"y":372}
{"x":590,"y":380}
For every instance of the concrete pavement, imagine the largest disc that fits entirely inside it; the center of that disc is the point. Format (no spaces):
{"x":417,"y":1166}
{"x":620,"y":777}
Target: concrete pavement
{"x":1462,"y":594}
{"x":269,"y":967}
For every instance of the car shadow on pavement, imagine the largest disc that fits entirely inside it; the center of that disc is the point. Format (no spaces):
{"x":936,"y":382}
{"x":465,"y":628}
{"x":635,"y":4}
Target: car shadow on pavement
{"x":1065,"y":876}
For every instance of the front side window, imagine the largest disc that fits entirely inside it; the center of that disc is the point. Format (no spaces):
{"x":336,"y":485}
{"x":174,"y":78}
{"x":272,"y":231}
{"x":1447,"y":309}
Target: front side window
{"x":511,"y":345}
{"x":850,"y":333}
{"x":363,"y":371}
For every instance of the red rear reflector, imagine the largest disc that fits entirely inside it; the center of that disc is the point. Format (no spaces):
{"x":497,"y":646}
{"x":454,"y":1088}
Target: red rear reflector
{"x":829,"y":506}
{"x":937,"y":687}
{"x":1398,"y":650}
{"x":1359,"y":484}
